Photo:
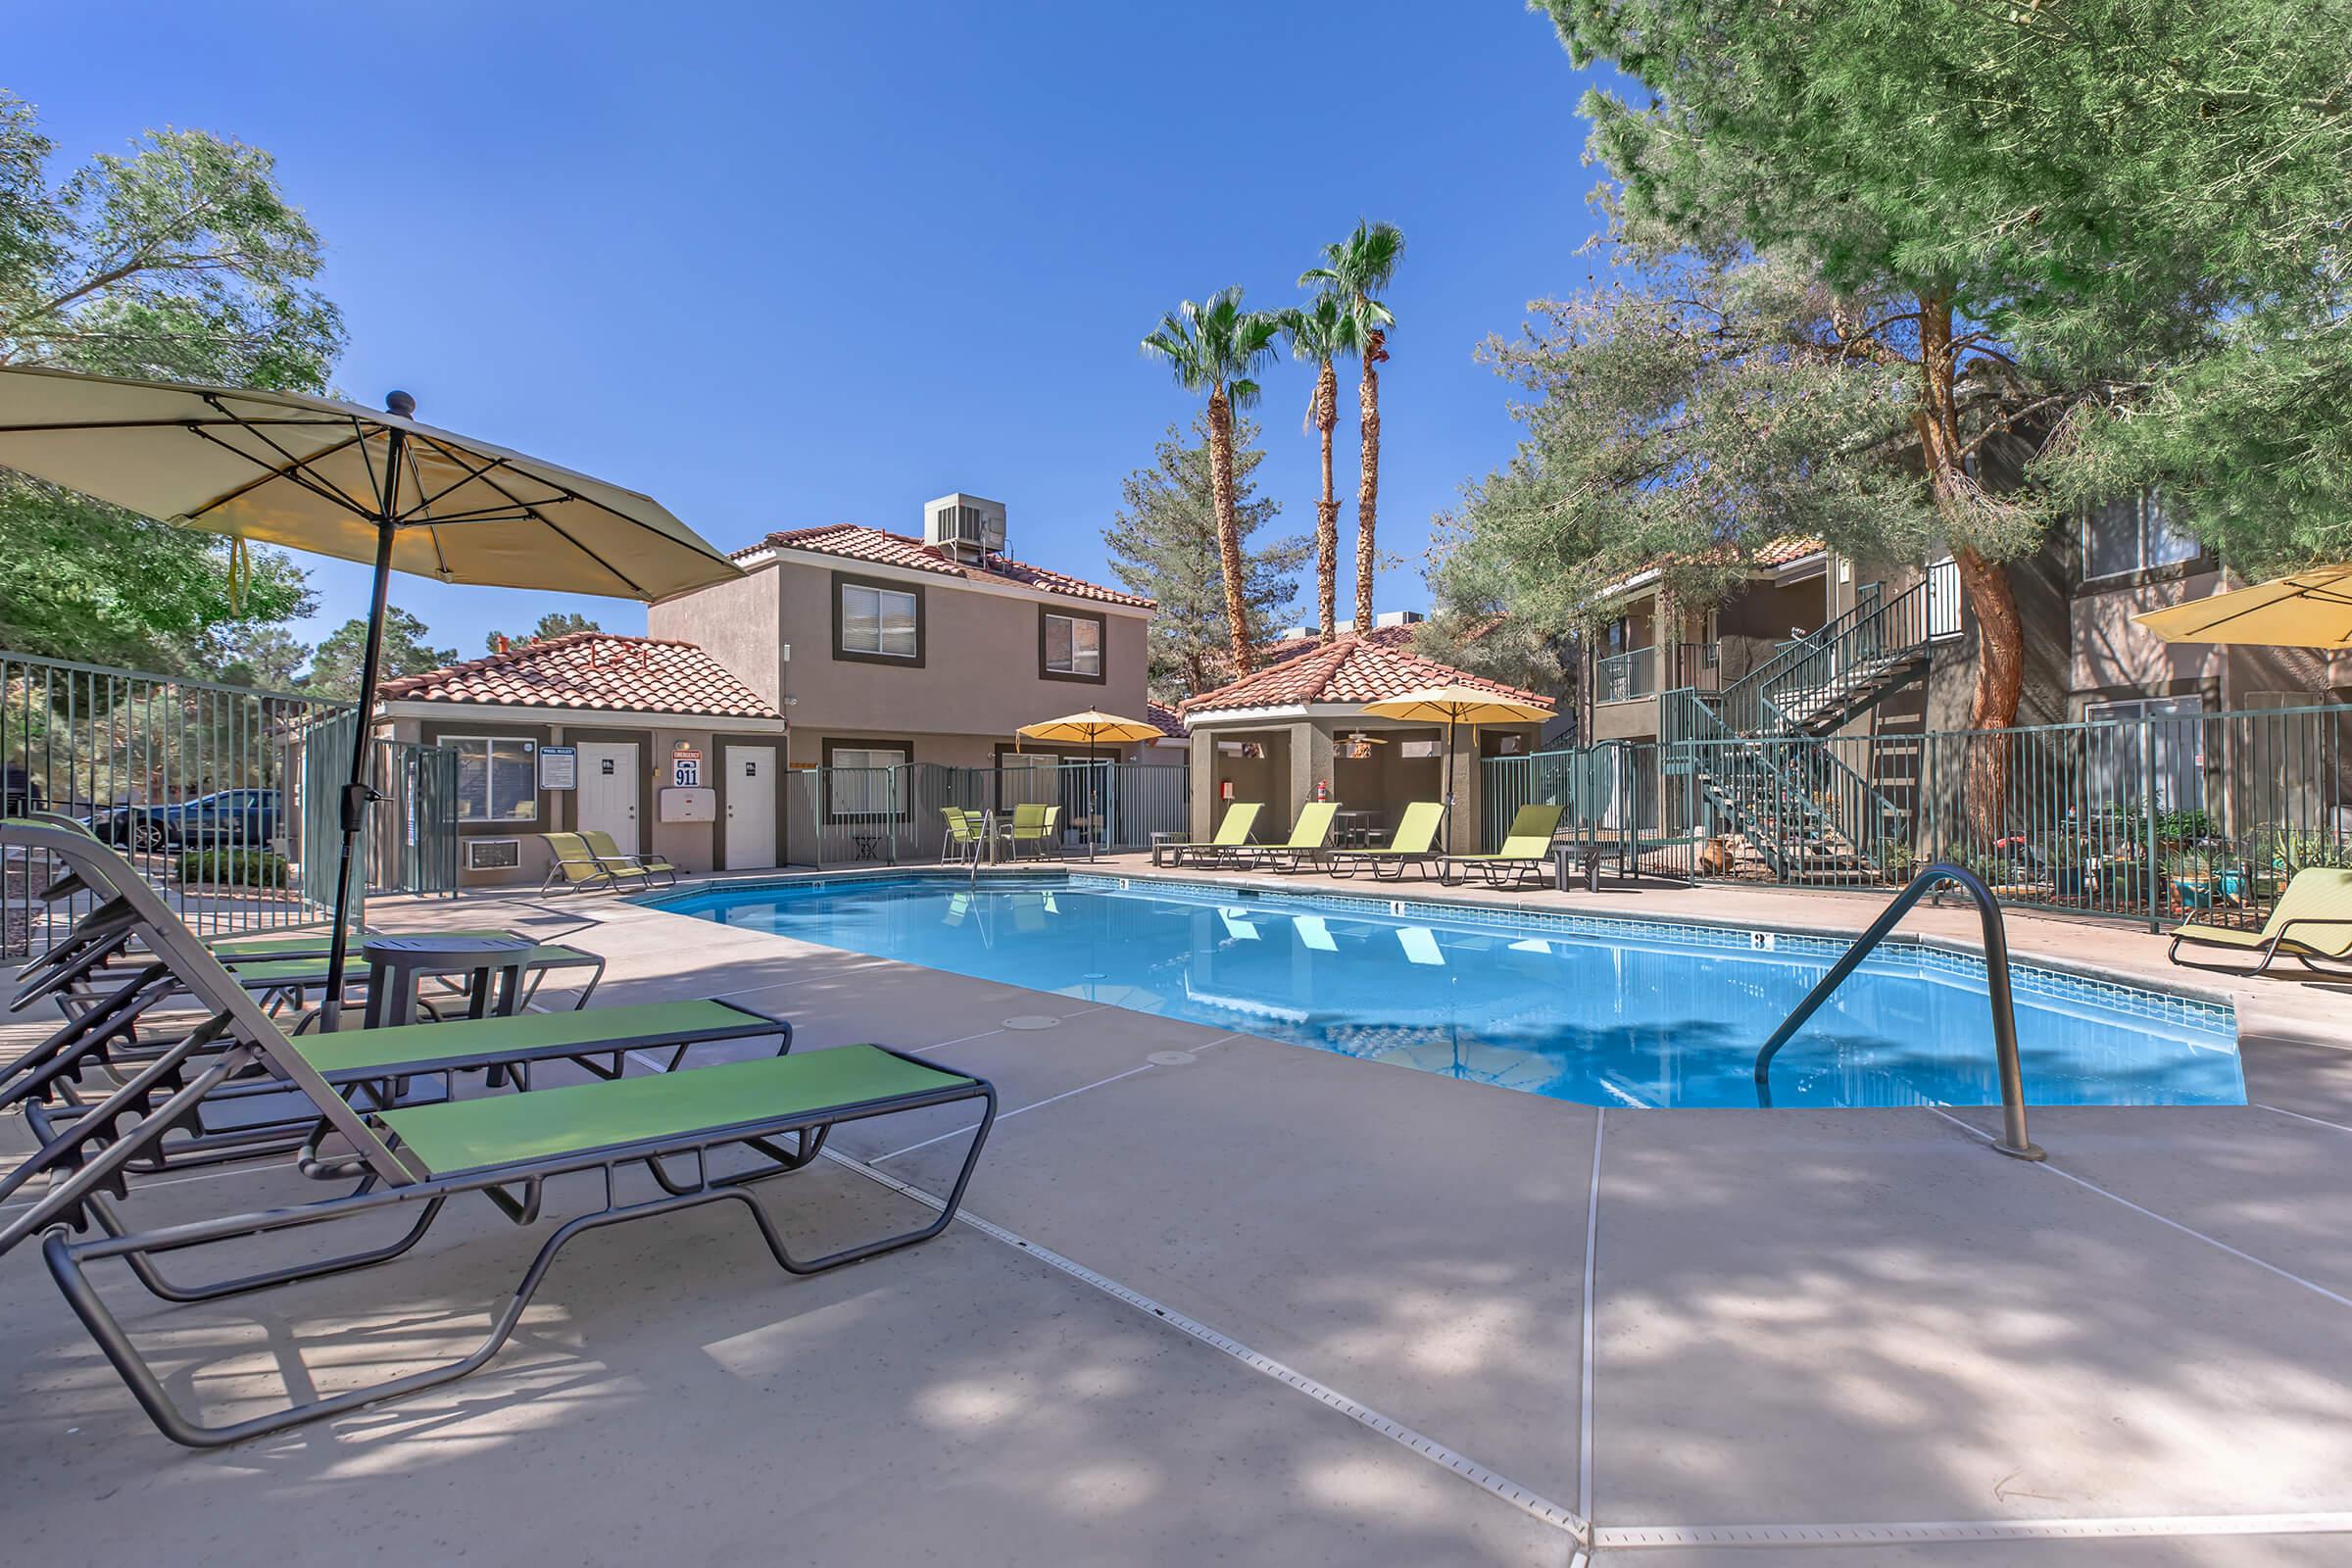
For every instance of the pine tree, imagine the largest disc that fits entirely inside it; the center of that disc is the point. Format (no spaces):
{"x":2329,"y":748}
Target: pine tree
{"x":1165,"y":544}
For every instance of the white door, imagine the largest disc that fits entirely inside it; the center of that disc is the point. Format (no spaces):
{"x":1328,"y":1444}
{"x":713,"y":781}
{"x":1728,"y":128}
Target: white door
{"x":750,"y":806}
{"x":609,"y":790}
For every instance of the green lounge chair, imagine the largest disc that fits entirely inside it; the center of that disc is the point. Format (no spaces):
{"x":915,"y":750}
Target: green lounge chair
{"x":1227,"y":844}
{"x":100,"y":1043}
{"x":414,"y":1159}
{"x":601,"y":845}
{"x":2311,"y":923}
{"x":577,"y":868}
{"x":283,"y":968}
{"x":1309,"y":836}
{"x":1414,"y":843}
{"x":1526,"y":851}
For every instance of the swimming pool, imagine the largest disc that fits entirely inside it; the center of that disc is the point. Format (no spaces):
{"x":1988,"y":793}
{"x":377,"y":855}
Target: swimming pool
{"x":1601,"y":1011}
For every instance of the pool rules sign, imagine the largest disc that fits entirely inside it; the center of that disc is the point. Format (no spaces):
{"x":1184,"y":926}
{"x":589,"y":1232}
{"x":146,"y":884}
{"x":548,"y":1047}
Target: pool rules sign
{"x":685,"y":769}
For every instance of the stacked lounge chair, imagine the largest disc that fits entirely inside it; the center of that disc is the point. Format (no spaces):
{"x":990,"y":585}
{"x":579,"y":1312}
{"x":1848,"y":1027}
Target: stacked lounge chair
{"x":600,"y":844}
{"x":574,"y":868}
{"x":414,"y":1160}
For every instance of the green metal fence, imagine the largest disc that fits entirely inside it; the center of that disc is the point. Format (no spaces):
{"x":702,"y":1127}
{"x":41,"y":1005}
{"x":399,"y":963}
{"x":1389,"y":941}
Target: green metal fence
{"x":411,"y":841}
{"x":2153,"y":818}
{"x":188,"y":778}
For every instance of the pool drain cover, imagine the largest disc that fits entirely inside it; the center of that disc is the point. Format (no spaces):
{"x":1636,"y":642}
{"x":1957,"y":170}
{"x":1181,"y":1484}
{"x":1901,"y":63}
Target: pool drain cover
{"x":1033,"y":1020}
{"x":1171,"y":1058}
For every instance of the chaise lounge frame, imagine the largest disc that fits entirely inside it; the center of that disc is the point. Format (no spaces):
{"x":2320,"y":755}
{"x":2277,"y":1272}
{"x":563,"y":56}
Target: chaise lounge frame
{"x":91,"y":1157}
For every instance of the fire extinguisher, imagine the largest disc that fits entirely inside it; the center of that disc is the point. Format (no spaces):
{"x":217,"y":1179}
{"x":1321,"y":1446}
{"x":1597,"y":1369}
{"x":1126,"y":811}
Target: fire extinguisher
{"x":1322,"y":789}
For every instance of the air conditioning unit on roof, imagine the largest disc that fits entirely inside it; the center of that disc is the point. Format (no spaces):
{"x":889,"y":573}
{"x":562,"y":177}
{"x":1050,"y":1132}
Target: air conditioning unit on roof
{"x":964,"y":525}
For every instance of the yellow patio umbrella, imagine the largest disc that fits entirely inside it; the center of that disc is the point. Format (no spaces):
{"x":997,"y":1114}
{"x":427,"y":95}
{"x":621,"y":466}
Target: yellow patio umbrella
{"x":320,"y":475}
{"x":2303,"y":609}
{"x":1089,"y":729}
{"x":1457,"y":705}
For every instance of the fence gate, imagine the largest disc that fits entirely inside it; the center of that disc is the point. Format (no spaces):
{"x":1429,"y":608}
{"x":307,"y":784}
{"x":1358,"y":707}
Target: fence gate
{"x":191,"y":779}
{"x":411,"y":841}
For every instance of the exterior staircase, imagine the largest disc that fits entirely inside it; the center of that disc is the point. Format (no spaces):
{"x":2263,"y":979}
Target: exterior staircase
{"x":1756,"y":752}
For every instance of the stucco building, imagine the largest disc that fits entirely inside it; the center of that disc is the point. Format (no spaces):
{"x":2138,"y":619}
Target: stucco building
{"x":1296,"y":731}
{"x":649,"y":739}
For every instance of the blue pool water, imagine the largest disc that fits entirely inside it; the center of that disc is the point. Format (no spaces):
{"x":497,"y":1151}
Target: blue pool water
{"x":1619,"y":1013}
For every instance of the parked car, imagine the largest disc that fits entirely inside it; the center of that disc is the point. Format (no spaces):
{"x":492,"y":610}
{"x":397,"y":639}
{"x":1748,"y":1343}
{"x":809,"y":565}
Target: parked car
{"x":226,"y":816}
{"x":18,"y":793}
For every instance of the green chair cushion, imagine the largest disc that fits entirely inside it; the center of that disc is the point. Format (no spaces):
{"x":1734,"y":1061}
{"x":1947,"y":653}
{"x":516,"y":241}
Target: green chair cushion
{"x":352,"y":1052}
{"x":549,"y":1123}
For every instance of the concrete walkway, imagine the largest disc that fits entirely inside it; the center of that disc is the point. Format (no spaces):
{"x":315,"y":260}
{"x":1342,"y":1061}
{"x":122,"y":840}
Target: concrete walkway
{"x":1230,"y":1301}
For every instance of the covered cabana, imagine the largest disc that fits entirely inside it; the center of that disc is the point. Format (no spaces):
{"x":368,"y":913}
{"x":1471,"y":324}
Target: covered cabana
{"x":1287,"y":727}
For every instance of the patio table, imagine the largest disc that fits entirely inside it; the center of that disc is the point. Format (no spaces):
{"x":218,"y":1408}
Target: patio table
{"x":396,"y":963}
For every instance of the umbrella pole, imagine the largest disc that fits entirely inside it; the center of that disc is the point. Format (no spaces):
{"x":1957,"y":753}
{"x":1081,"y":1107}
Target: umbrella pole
{"x":1446,"y":789}
{"x":356,"y":792}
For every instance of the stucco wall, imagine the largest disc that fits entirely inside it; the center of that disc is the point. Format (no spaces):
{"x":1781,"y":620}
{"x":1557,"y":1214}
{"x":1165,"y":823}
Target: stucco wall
{"x":2114,"y":658}
{"x":736,"y":624}
{"x":979,"y":675}
{"x":692,"y":846}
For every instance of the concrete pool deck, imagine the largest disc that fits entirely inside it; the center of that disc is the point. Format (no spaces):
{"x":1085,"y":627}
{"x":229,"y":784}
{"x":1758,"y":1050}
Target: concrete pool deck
{"x":1232,"y":1300}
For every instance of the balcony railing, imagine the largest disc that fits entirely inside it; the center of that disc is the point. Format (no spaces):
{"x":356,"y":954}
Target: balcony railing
{"x":1623,"y":677}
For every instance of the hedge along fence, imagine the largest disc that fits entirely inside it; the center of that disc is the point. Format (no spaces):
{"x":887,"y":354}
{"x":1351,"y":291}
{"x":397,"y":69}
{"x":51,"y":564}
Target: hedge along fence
{"x":2157,"y":818}
{"x":249,"y":869}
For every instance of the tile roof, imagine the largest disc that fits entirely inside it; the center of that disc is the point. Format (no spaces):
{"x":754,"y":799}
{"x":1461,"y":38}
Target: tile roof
{"x":857,"y":542}
{"x":591,"y":670}
{"x":1352,"y":669}
{"x":1274,"y":650}
{"x":1170,"y":722}
{"x":1771,"y":554}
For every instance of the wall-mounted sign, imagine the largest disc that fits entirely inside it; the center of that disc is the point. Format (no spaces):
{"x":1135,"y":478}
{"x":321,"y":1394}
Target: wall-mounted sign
{"x":558,"y":768}
{"x":686,"y":769}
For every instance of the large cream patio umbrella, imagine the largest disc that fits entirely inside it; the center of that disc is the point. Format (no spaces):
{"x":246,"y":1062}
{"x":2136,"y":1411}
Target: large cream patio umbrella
{"x":1089,"y":729}
{"x":2303,"y":609}
{"x":318,"y":475}
{"x":1457,"y":705}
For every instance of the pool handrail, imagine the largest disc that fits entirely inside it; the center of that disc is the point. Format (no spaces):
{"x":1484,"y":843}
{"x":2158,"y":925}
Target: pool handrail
{"x":2013,"y":1141}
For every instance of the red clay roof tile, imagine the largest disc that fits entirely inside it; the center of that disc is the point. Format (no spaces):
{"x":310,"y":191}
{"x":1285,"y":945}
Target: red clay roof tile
{"x":591,"y":670}
{"x":857,"y":542}
{"x":1352,"y":669}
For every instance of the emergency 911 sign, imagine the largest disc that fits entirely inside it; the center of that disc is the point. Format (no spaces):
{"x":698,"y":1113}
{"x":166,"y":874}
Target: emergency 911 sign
{"x":685,"y":769}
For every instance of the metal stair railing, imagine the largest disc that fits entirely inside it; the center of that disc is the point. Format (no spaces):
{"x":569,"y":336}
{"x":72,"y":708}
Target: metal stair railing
{"x":1766,"y":784}
{"x":2013,"y":1141}
{"x":1867,"y":639}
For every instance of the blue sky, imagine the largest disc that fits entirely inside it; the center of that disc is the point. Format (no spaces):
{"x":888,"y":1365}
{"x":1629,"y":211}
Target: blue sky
{"x":782,"y":264}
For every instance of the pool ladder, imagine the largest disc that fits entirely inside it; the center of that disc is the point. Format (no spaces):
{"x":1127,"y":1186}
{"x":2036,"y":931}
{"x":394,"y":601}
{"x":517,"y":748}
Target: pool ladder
{"x":2013,"y":1141}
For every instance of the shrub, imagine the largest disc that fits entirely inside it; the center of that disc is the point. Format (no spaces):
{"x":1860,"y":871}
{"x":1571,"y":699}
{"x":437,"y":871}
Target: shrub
{"x":253,"y":868}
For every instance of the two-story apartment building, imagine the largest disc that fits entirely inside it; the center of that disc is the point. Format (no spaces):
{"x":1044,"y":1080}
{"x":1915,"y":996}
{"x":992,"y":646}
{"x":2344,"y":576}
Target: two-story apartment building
{"x":1651,"y":645}
{"x":885,"y":649}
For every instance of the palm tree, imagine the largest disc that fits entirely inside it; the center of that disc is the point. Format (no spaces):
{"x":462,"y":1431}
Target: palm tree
{"x":1319,"y":335}
{"x":1358,"y":268}
{"x":1216,"y":348}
